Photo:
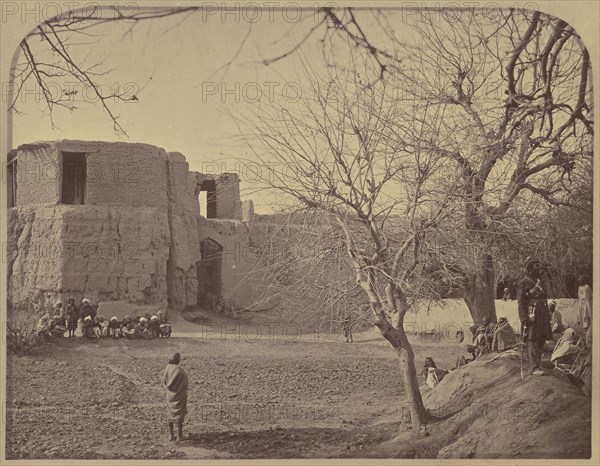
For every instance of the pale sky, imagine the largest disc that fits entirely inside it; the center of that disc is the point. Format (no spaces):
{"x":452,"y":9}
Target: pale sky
{"x":185,"y":105}
{"x":186,"y":96}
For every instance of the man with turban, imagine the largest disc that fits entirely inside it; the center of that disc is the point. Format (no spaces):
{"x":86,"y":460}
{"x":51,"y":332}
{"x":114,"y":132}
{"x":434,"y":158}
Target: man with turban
{"x":534,"y":314}
{"x":176,"y":386}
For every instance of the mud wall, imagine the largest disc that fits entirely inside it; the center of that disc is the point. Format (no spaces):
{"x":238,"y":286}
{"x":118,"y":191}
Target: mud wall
{"x":183,"y":216}
{"x":228,"y":196}
{"x":136,"y":238}
{"x":242,"y":271}
{"x":37,"y":174}
{"x":98,"y":252}
{"x":122,"y":173}
{"x":117,"y":173}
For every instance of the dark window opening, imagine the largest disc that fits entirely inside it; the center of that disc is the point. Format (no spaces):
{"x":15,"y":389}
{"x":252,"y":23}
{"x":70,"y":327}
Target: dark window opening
{"x":73,"y":178}
{"x":208,"y":199}
{"x":208,"y":274}
{"x":11,"y":178}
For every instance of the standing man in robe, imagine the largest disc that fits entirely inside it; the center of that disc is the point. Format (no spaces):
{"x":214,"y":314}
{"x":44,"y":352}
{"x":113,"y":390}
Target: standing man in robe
{"x":584,"y":307}
{"x":176,"y":386}
{"x":347,"y":328}
{"x":533,"y":313}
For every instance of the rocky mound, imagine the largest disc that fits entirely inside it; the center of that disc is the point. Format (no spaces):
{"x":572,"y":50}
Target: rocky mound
{"x":485,"y":410}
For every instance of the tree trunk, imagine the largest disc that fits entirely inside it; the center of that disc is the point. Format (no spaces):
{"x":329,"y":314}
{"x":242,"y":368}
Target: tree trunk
{"x":406,"y":358}
{"x":480,"y":291}
{"x":480,"y":286}
{"x":395,"y":335}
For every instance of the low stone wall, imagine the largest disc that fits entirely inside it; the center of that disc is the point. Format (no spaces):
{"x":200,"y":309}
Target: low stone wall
{"x":449,"y":315}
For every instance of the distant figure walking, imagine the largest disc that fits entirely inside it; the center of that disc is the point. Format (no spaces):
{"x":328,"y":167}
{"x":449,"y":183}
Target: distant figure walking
{"x":176,"y":386}
{"x":584,"y":309}
{"x":347,"y":328}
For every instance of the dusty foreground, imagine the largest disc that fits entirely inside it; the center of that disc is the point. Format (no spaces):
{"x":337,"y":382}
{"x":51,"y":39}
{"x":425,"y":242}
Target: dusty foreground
{"x":280,"y":399}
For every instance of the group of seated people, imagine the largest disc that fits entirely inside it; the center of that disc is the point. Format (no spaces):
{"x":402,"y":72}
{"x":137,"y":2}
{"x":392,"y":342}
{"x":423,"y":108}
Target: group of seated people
{"x":94,"y":325}
{"x":571,"y":353}
{"x":485,"y":338}
{"x":489,"y":337}
{"x":139,"y":327}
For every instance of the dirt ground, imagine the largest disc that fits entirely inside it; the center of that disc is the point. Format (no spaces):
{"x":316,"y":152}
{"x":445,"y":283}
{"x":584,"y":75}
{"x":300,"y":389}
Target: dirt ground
{"x":302,"y":397}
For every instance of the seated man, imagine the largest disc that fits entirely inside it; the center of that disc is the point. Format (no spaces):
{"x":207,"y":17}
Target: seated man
{"x":468,"y":341}
{"x":129,"y":328}
{"x":58,"y":310}
{"x":154,"y":326}
{"x":85,"y":310}
{"x":93,"y":310}
{"x":54,"y":330}
{"x":582,"y":367}
{"x":142,"y":329}
{"x":165,"y":327}
{"x":114,"y":327}
{"x":484,"y":336}
{"x":504,"y":336}
{"x":566,"y":349}
{"x":102,"y":325}
{"x":88,"y":328}
{"x":97,"y":326}
{"x":555,"y":318}
{"x":431,"y":373}
{"x":60,"y":324}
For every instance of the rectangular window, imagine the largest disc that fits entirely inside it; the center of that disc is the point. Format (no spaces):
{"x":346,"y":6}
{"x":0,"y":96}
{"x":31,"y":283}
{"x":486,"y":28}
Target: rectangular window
{"x":208,"y":199}
{"x":74,"y":172}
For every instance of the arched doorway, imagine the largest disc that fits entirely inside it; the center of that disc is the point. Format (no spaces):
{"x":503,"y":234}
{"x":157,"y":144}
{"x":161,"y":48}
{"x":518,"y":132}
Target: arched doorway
{"x":208,"y":274}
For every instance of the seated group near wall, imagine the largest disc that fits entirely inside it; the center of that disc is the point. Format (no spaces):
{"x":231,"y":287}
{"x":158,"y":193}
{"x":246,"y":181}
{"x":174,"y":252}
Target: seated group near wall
{"x":94,"y":325}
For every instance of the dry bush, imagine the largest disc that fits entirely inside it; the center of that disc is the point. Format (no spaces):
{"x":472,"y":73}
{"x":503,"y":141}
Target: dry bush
{"x":22,"y":335}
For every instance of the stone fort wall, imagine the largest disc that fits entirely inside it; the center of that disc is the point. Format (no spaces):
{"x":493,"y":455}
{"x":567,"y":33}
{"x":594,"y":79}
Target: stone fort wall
{"x":135,"y":239}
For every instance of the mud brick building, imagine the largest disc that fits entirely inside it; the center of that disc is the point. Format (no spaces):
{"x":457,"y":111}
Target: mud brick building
{"x":116,"y":221}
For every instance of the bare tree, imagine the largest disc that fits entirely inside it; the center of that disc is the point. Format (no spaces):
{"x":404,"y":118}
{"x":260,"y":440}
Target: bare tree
{"x":45,"y":56}
{"x":560,"y":236}
{"x":350,"y":152}
{"x":515,"y":89}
